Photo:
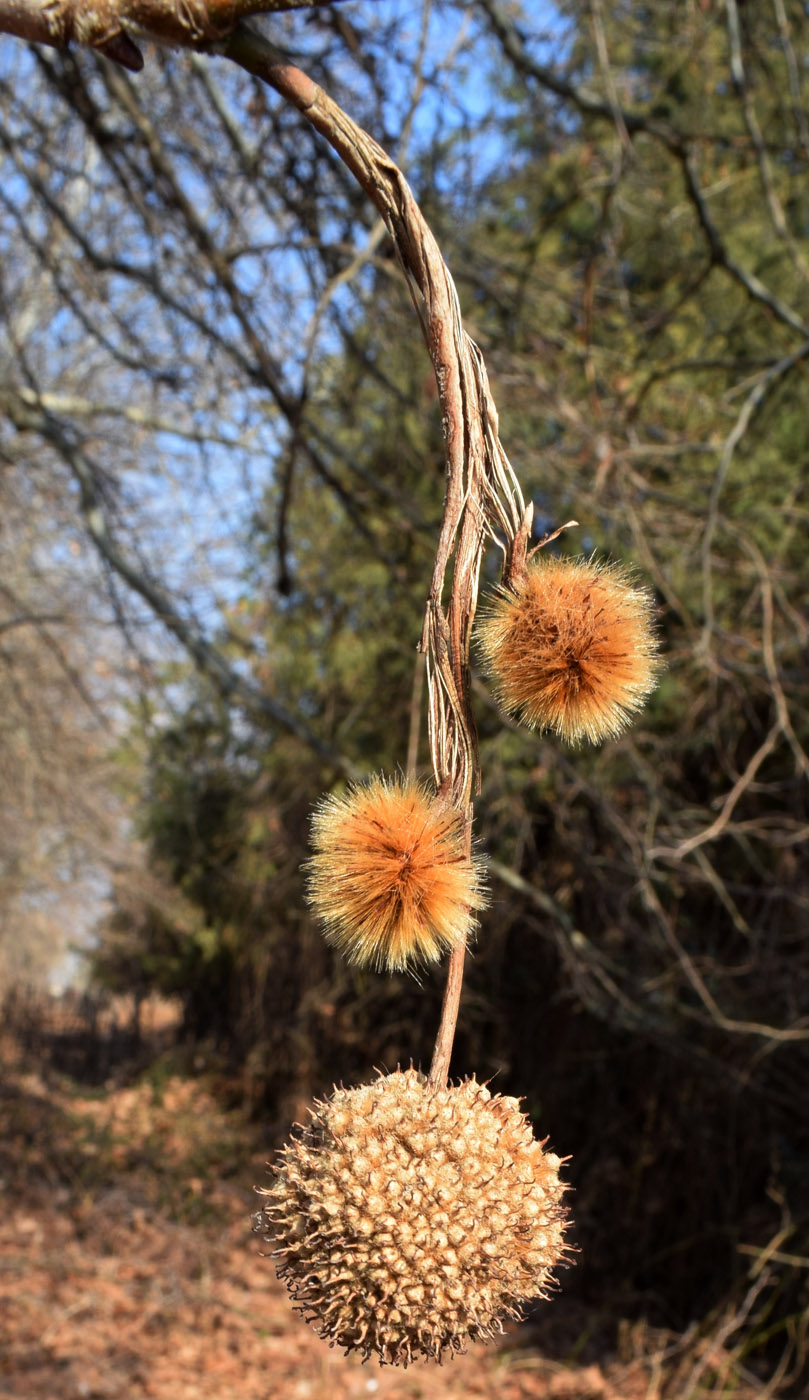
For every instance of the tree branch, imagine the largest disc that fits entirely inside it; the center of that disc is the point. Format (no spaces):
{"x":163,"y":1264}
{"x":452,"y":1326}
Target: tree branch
{"x":681,"y":144}
{"x":110,"y":26}
{"x":210,"y":661}
{"x":483,"y":496}
{"x":587,"y":101}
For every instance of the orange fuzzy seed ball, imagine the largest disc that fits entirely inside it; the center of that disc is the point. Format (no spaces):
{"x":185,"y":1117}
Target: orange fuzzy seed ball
{"x":573,"y":649}
{"x":389,"y":878}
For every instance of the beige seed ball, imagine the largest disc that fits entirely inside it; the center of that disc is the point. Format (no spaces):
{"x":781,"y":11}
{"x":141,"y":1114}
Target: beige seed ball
{"x":408,"y":1221}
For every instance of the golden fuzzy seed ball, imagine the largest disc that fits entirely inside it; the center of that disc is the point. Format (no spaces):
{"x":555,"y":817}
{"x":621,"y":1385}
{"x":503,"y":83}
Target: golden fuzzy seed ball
{"x":408,"y":1221}
{"x":390,"y":879}
{"x":572,"y":648}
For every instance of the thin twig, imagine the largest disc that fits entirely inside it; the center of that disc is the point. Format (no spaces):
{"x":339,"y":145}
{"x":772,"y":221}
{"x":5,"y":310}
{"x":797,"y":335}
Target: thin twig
{"x":442,"y":1053}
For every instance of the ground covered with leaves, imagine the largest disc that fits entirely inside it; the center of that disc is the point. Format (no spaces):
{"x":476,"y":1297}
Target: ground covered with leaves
{"x":128,"y":1269}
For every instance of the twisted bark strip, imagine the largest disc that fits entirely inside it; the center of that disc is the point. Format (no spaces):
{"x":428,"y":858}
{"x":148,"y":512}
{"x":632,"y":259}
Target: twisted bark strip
{"x":483,"y":496}
{"x":482,"y":493}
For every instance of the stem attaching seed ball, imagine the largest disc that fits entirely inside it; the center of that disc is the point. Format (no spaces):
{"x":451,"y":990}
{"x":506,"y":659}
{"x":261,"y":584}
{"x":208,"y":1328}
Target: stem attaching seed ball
{"x":390,"y":879}
{"x":408,"y":1221}
{"x":571,"y":648}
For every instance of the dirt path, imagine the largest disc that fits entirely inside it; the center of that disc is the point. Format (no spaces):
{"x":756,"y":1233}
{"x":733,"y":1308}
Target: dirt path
{"x":127,"y":1268}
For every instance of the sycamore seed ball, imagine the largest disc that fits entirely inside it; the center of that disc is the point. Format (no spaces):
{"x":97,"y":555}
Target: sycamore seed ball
{"x":390,"y":879}
{"x":571,"y":648}
{"x":408,"y":1221}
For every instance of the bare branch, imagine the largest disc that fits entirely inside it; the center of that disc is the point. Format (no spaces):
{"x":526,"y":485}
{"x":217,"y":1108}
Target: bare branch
{"x":482,"y":492}
{"x":111,"y":25}
{"x":754,"y":128}
{"x":721,"y":255}
{"x":588,"y":102}
{"x":207,"y":657}
{"x":762,"y":388}
{"x":681,"y":144}
{"x":726,"y":1023}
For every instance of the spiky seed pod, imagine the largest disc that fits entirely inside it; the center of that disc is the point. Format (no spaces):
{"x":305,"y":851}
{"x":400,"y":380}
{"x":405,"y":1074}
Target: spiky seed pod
{"x":408,"y":1221}
{"x":390,"y":879}
{"x":571,"y":648}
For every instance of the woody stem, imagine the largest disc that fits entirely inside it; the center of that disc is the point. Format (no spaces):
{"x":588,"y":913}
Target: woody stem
{"x":449,"y":1016}
{"x":442,"y":1053}
{"x":476,"y":465}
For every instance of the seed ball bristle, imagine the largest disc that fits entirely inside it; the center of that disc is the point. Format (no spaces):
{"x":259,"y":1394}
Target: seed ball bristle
{"x":390,"y":879}
{"x":408,"y":1221}
{"x":571,"y":648}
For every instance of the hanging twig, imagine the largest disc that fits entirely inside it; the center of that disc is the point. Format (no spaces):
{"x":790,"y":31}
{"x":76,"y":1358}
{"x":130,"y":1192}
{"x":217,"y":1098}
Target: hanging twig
{"x":482,"y":496}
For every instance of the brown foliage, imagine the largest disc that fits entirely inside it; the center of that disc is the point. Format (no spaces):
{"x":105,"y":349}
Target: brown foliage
{"x":124,"y":1270}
